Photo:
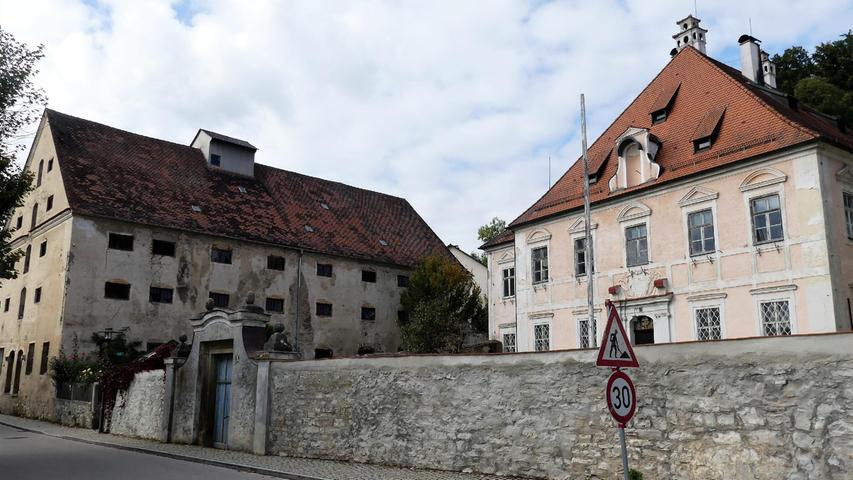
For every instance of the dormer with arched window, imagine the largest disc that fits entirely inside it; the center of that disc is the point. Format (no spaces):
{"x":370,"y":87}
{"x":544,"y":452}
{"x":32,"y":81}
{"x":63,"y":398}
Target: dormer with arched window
{"x":636,"y":150}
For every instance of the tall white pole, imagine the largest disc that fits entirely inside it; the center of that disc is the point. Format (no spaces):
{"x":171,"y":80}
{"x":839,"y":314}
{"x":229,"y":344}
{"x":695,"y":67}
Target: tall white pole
{"x":591,"y":326}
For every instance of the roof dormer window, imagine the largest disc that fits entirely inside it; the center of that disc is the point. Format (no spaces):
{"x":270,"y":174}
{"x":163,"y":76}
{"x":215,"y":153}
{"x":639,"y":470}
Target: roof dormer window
{"x":707,"y":130}
{"x":663,"y":103}
{"x":636,"y":150}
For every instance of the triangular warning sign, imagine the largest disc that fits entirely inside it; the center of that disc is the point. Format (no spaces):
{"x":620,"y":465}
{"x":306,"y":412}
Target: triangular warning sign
{"x":615,"y":348}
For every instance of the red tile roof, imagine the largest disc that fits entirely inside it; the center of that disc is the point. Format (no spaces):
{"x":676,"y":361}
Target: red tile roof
{"x":756,"y":121}
{"x":116,"y":174}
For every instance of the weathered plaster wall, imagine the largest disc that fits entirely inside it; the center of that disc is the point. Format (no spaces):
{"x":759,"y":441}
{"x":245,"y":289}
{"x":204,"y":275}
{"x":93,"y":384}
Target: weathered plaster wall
{"x":758,"y":408}
{"x":836,"y":169}
{"x":138,"y":411}
{"x":73,"y":413}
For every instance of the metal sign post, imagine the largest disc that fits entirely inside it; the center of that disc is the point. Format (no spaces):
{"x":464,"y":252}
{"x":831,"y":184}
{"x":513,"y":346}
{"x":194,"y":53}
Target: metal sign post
{"x":624,"y":452}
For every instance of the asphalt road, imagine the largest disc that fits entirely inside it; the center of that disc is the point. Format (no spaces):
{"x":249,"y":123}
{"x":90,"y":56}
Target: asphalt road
{"x":26,"y":455}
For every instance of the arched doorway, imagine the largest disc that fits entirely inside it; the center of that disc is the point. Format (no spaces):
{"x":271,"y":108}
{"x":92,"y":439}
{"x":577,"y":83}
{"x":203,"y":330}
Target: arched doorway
{"x":643,"y":330}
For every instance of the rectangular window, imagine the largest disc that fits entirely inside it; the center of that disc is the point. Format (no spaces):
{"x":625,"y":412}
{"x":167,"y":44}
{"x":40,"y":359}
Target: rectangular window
{"x":275,"y":305}
{"x":43,"y":248}
{"x":275,"y":262}
{"x":402,"y":281}
{"x":708,"y":323}
{"x":49,"y":203}
{"x":368,"y":276}
{"x":509,"y":281}
{"x":700,"y":226}
{"x":45,"y":354}
{"x":586,"y":335}
{"x":20,"y":222}
{"x":766,"y":219}
{"x":368,"y":313}
{"x":580,"y":257}
{"x":37,"y":295}
{"x":215,"y":159}
{"x":637,"y":245}
{"x":220,"y":300}
{"x":542,"y":337}
{"x":117,"y":291}
{"x":324,"y":269}
{"x":163,"y":247}
{"x":50,"y":165}
{"x":539,"y":258}
{"x":848,"y":214}
{"x":6,"y":304}
{"x":220,"y":255}
{"x":120,"y":241}
{"x":160,"y":295}
{"x":324,"y":309}
{"x":509,"y":342}
{"x":775,"y":318}
{"x":31,"y":353}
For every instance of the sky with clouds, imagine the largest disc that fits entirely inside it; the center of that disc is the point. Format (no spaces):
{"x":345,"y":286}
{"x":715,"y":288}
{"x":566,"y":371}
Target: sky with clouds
{"x":454,"y":105}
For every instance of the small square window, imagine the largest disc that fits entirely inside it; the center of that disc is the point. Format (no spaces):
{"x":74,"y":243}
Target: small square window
{"x":220,"y":255}
{"x":117,"y":291}
{"x":368,"y":313}
{"x":43,"y":248}
{"x":324,"y":269}
{"x":163,"y":247}
{"x":160,"y":295}
{"x":37,"y":295}
{"x":49,"y":203}
{"x":215,"y":159}
{"x":275,"y":305}
{"x":220,"y":300}
{"x":274,"y":262}
{"x":120,"y":241}
{"x":368,"y":276}
{"x":324,"y":309}
{"x":402,"y":281}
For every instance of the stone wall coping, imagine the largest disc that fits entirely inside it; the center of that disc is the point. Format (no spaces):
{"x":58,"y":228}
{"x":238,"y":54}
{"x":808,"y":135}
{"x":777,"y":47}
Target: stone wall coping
{"x":837,"y":344}
{"x":278,"y":356}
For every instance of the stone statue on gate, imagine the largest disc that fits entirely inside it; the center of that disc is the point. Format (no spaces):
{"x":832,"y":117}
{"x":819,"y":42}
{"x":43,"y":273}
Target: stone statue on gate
{"x":278,"y":340}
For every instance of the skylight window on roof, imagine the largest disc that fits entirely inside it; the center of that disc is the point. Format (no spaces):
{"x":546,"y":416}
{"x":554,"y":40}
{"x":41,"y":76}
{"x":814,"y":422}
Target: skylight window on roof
{"x":242,"y":189}
{"x":309,"y":228}
{"x":383,"y":243}
{"x":196,"y":208}
{"x":325,"y":206}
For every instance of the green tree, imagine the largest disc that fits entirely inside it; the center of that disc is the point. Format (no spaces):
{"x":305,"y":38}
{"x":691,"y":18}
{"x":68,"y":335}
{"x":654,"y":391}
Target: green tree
{"x":792,"y":66}
{"x":443,"y":305}
{"x":834,"y":61}
{"x":825,"y":97}
{"x":114,"y":348}
{"x":20,"y":105}
{"x":491,"y":230}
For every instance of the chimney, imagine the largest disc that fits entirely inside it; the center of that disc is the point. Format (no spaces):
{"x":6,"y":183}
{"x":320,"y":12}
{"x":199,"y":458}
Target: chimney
{"x":690,"y":34}
{"x":750,"y":58}
{"x":768,"y":70}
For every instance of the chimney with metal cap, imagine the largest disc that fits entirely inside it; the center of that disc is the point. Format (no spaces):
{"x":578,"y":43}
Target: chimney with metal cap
{"x":750,"y":58}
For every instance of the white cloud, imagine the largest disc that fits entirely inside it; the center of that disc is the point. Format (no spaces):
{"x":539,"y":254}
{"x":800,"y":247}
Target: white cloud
{"x":454,"y":105}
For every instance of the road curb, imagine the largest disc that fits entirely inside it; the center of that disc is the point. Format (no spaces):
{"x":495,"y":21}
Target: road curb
{"x":175,"y":456}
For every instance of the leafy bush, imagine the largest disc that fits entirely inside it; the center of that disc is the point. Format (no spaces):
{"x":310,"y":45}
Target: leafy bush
{"x":635,"y":474}
{"x":74,"y":369}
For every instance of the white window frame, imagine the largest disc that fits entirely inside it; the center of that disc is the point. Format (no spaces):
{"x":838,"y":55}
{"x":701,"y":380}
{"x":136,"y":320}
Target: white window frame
{"x":773,"y":187}
{"x":707,"y":300}
{"x":512,"y":332}
{"x":752,"y":228}
{"x":695,"y":310}
{"x":593,"y":335}
{"x":775,"y":294}
{"x":696,"y":211}
{"x":547,"y":270}
{"x":504,"y":278}
{"x":625,"y":228}
{"x":533,"y":336}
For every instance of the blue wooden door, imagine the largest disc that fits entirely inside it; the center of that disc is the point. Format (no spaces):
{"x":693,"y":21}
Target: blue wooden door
{"x":222,"y":405}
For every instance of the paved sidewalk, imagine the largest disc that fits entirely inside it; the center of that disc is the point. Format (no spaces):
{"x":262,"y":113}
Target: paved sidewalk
{"x":283,"y":467}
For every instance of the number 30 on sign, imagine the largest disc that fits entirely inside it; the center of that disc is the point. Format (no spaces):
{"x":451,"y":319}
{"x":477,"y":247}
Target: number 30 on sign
{"x":621,"y":397}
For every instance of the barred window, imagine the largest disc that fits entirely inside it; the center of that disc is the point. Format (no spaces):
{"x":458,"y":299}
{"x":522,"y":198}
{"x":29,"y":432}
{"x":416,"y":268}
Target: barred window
{"x":637,"y":245}
{"x":848,"y":213}
{"x":766,"y":219}
{"x":540,"y":264}
{"x":542,"y":337}
{"x":701,"y":232}
{"x":220,"y":300}
{"x":586,"y":335}
{"x":509,"y":281}
{"x":708,"y":323}
{"x":775,"y":318}
{"x":220,"y":255}
{"x":509,"y":342}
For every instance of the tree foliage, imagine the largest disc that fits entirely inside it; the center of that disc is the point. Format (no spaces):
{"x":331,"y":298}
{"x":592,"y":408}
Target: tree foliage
{"x":20,"y":105}
{"x":823,"y":79}
{"x":443,"y":304}
{"x":491,"y":230}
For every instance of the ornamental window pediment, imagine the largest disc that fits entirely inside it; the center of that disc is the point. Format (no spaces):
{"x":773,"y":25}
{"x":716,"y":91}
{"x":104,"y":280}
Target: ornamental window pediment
{"x":636,"y":150}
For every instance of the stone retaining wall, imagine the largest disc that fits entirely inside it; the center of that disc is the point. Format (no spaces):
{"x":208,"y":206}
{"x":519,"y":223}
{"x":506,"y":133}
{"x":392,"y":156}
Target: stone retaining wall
{"x":765,"y":408}
{"x":138,"y":411}
{"x":72,"y":413}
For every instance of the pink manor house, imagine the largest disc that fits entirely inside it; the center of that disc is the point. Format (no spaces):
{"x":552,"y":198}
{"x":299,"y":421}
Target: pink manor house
{"x":720,"y":209}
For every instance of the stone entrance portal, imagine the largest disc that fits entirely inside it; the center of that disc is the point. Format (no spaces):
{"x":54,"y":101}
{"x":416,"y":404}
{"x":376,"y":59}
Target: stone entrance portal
{"x":647,"y":320}
{"x":642,"y":330}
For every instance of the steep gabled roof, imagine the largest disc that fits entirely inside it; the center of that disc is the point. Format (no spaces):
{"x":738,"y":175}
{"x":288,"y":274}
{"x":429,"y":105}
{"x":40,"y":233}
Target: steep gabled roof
{"x":116,"y":174}
{"x":756,"y":121}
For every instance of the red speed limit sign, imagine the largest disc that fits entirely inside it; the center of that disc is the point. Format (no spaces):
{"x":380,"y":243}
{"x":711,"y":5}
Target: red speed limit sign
{"x":621,"y":397}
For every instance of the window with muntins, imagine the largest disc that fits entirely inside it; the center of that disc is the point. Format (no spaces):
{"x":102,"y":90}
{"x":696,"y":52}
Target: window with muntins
{"x":775,"y":318}
{"x":539,"y":258}
{"x":509,"y":342}
{"x":45,"y":352}
{"x":163,"y":247}
{"x":117,"y":291}
{"x":586,"y":335}
{"x":160,"y":295}
{"x":708,"y":325}
{"x":275,"y":262}
{"x":509,"y":282}
{"x":368,"y":313}
{"x":700,"y":226}
{"x":636,"y":245}
{"x":220,"y":255}
{"x":220,"y":300}
{"x":848,"y":214}
{"x":275,"y":305}
{"x":766,"y":219}
{"x":324,"y":269}
{"x":580,"y":257}
{"x":120,"y":241}
{"x":542,"y":337}
{"x":323,"y":309}
{"x":368,"y":276}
